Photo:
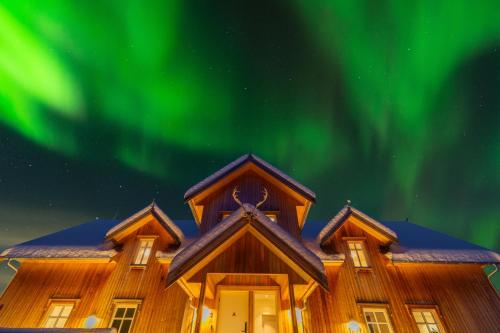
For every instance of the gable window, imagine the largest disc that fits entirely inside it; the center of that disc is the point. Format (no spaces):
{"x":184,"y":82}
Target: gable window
{"x":377,"y":320}
{"x":58,"y":314}
{"x":272,"y":217}
{"x":358,"y":254}
{"x":143,"y":251}
{"x":123,"y":316}
{"x":427,"y":320}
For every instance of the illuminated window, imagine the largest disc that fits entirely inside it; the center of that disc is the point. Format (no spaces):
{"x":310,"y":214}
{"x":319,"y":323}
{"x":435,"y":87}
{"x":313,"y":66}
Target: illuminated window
{"x":225,"y":215}
{"x":272,"y":217}
{"x":377,"y":320}
{"x":58,"y":315}
{"x":143,"y":252}
{"x":124,"y":317}
{"x":427,"y":321}
{"x":356,"y":248}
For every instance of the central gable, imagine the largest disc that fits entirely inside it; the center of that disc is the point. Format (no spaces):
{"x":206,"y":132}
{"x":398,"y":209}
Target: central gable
{"x":201,"y":195}
{"x":246,"y":220}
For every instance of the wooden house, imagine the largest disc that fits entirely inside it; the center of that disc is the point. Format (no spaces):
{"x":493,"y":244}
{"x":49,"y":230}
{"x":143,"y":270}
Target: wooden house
{"x":249,"y":261}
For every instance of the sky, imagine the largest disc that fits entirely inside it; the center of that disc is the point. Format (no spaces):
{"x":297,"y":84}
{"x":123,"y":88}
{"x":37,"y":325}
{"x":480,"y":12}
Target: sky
{"x":107,"y":105}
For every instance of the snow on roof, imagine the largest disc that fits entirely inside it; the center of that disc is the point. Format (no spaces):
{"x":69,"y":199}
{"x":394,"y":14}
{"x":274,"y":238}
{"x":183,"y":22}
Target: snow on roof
{"x":343,"y":214}
{"x":420,"y":244}
{"x":216,"y":176}
{"x":153,"y":209}
{"x":233,"y":223}
{"x":87,"y":240}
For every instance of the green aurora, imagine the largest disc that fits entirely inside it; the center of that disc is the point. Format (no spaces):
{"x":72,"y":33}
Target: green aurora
{"x":392,"y":104}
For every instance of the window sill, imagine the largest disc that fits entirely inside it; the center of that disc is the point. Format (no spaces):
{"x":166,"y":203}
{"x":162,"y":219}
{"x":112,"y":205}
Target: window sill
{"x":135,"y":266}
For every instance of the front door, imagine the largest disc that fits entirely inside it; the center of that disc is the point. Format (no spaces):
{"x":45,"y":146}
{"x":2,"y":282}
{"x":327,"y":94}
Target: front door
{"x":233,"y":311}
{"x":238,"y":307}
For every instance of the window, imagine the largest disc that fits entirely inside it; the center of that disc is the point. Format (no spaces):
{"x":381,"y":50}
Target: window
{"x":427,"y":320}
{"x":272,"y":217}
{"x":123,"y":317}
{"x":377,"y":320}
{"x":143,"y":252}
{"x":58,"y":315}
{"x":356,"y":248}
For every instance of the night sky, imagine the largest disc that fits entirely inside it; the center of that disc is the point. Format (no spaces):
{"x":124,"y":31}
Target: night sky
{"x":105,"y":106}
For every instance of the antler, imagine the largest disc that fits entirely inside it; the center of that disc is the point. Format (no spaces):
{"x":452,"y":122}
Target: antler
{"x":263,"y":199}
{"x":235,"y":196}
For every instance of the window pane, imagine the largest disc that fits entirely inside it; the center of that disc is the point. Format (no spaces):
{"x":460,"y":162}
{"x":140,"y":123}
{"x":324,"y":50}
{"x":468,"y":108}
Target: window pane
{"x":51,"y":322}
{"x":380,"y":317}
{"x":130,"y":313}
{"x":126,"y":326}
{"x":60,"y":323}
{"x":145,"y":257}
{"x":358,"y":246}
{"x":428,"y":317}
{"x":56,"y":311}
{"x":433,"y":328}
{"x":116,"y":324}
{"x":418,"y":316}
{"x":120,"y":312}
{"x":351,"y":246}
{"x":362,"y":259}
{"x":422,"y":328}
{"x":373,"y":328}
{"x":66,"y":311}
{"x":369,"y":317}
{"x":384,"y":328}
{"x":355,"y":258}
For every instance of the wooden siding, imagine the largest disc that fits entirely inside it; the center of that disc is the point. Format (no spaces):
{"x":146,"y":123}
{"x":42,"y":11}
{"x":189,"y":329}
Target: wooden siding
{"x":251,"y":186}
{"x":462,"y":293}
{"x":247,"y":255}
{"x":26,"y":299}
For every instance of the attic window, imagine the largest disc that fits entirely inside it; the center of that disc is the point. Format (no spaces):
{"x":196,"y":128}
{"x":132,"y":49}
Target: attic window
{"x":143,"y":251}
{"x":358,"y":255}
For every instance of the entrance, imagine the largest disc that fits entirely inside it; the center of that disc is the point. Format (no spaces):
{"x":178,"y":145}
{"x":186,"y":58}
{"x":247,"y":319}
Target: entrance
{"x":248,"y":311}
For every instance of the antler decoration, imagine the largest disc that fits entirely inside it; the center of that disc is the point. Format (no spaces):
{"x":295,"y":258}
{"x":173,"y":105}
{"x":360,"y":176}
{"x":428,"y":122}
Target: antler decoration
{"x":266,"y":194}
{"x":235,"y":196}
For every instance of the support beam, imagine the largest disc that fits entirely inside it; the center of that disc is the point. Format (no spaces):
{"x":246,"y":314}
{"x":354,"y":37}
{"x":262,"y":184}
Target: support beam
{"x":292,"y":307}
{"x":201,"y":300}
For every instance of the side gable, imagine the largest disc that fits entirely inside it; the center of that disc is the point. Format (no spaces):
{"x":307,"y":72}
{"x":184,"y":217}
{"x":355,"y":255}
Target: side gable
{"x":139,"y":219}
{"x":363,"y":221}
{"x":250,"y":219}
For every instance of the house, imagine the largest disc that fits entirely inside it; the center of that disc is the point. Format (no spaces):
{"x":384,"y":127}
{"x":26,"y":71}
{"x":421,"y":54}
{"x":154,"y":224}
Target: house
{"x":249,"y":261}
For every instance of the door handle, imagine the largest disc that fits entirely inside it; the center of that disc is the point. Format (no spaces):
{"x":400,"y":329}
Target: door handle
{"x":245,"y":330}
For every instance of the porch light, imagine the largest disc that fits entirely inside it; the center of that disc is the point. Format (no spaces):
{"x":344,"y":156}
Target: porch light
{"x":91,"y":321}
{"x":354,"y":326}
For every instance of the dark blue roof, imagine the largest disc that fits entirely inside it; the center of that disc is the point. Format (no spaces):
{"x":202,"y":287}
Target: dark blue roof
{"x":410,"y":235}
{"x":93,"y":233}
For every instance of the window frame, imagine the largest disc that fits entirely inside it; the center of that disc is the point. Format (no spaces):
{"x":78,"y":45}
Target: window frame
{"x":127,"y":304}
{"x":53,"y":302}
{"x":366,"y":307}
{"x":362,"y":241}
{"x":433,"y":309}
{"x":273,"y":215}
{"x":138,"y":248}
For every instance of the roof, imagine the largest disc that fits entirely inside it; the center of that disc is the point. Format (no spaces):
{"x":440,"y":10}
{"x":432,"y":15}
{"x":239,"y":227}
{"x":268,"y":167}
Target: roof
{"x":247,"y":214}
{"x":419,"y":244}
{"x":87,"y":240}
{"x":154,"y":210}
{"x":337,"y":221}
{"x":250,"y":158}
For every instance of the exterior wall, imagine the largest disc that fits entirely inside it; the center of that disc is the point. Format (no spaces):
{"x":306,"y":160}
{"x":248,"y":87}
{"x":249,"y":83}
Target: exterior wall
{"x":25,"y":301}
{"x":250,"y":186}
{"x":465,"y":299}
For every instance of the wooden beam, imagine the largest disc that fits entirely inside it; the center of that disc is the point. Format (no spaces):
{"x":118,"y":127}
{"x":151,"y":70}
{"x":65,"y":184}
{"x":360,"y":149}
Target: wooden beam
{"x":292,"y":308}
{"x":201,"y":300}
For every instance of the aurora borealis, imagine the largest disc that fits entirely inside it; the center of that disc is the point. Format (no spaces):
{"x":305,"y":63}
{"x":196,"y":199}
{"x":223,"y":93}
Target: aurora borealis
{"x":106,"y":105}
